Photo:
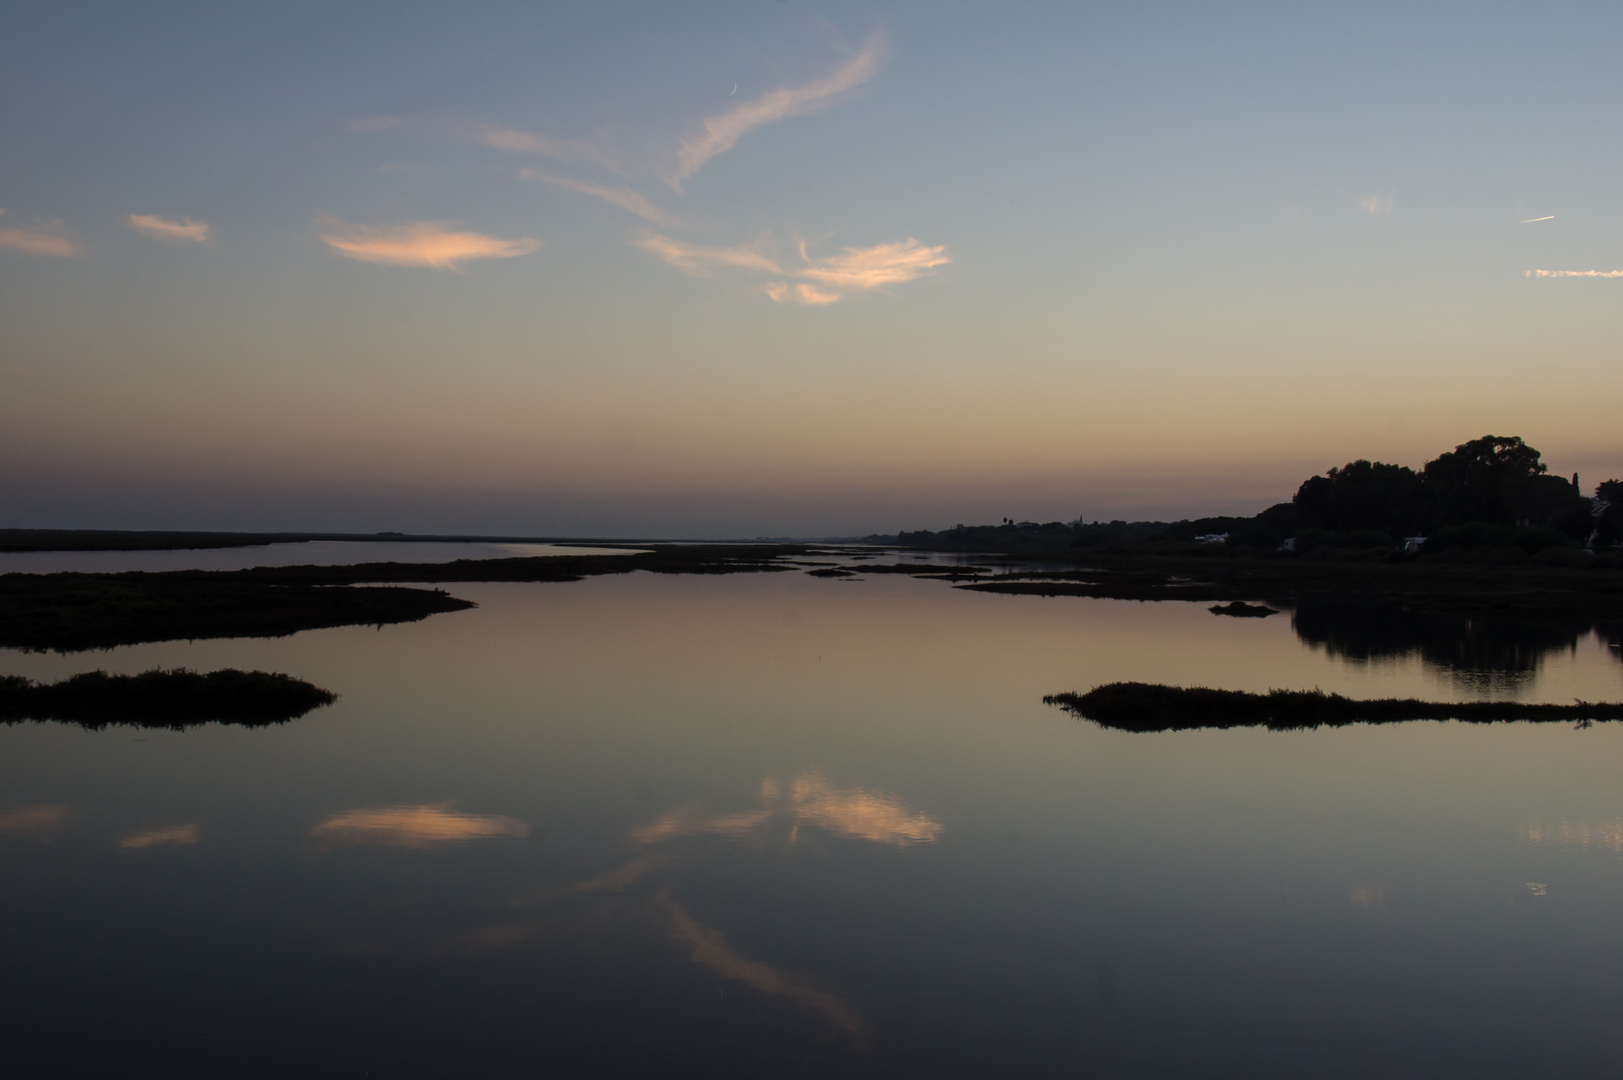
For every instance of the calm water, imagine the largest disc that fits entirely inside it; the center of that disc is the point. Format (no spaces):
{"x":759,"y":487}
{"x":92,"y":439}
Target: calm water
{"x":775,"y":825}
{"x":302,"y":553}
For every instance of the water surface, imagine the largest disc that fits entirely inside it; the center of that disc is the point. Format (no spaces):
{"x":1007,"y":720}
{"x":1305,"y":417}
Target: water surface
{"x":298,"y":553}
{"x":769,"y":824}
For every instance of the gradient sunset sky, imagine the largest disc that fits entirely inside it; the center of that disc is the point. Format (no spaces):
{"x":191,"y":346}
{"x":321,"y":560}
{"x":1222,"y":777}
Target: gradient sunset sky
{"x":791,"y":268}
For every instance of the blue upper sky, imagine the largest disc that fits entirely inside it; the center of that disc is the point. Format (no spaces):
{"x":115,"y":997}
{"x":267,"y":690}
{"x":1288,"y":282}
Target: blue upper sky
{"x":790,"y":267}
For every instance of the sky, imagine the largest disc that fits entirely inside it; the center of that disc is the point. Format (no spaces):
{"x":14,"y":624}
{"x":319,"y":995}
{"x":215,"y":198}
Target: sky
{"x":791,"y":268}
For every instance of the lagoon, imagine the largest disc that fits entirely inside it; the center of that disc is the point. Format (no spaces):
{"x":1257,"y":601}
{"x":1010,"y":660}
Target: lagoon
{"x":296,"y":553}
{"x":774,"y":824}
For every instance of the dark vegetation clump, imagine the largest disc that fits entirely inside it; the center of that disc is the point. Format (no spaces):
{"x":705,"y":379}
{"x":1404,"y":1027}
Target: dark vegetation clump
{"x":1242,"y":610}
{"x":174,"y":699}
{"x":1131,"y":706}
{"x":70,"y":612}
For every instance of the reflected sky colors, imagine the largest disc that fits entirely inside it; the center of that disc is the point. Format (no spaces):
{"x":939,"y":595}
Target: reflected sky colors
{"x":811,"y":799}
{"x":35,"y":821}
{"x":1603,"y":835}
{"x":308,"y":553}
{"x":170,"y":836}
{"x":710,"y":950}
{"x":413,"y":827}
{"x":775,"y":824}
{"x":794,"y":268}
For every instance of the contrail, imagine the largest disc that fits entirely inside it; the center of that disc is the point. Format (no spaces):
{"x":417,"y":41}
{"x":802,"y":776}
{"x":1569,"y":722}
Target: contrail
{"x":1529,"y":221}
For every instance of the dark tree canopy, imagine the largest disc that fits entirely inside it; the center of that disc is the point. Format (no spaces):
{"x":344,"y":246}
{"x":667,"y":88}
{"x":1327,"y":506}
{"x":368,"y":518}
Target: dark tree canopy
{"x":1496,"y":480}
{"x":1363,"y":495}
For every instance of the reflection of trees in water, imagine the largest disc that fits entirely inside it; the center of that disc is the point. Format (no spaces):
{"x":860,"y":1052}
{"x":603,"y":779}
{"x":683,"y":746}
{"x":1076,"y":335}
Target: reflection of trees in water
{"x":1611,"y":635}
{"x":1484,"y":654}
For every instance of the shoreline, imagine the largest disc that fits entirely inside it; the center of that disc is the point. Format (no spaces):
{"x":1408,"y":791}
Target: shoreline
{"x":67,"y":612}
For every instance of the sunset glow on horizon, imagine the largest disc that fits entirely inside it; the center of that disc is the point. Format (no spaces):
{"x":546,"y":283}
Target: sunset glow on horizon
{"x":790,"y":269}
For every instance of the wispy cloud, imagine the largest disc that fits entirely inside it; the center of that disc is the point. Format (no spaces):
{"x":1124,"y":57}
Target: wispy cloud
{"x":1529,"y":221}
{"x":420,"y":826}
{"x":422,"y":243}
{"x":48,"y":239}
{"x":721,"y":133}
{"x":164,"y":229}
{"x":1574,"y":273}
{"x":527,"y":142}
{"x":1377,"y":204}
{"x":175,"y":836}
{"x":825,"y":279}
{"x":855,"y":269}
{"x":801,"y":293}
{"x":498,"y":137}
{"x":624,"y":198}
{"x":697,"y":259}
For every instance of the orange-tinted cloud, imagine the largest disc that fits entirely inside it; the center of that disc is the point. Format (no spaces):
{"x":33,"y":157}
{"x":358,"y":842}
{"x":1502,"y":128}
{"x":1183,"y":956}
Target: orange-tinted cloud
{"x":164,"y":229}
{"x":624,"y":198}
{"x":828,"y":278}
{"x":784,"y":293}
{"x":697,"y":259}
{"x":175,"y":836}
{"x":38,"y":820}
{"x":1575,"y":273}
{"x":855,"y":269}
{"x":721,"y":133}
{"x":422,"y":243}
{"x":415,"y":826}
{"x":48,"y":239}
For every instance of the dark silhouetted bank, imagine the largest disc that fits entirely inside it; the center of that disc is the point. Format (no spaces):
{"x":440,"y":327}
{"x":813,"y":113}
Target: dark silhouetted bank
{"x":1131,"y":706}
{"x":173,"y":699}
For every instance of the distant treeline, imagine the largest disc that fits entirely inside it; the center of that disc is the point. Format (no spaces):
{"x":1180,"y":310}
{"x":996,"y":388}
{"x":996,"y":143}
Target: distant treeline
{"x":1492,"y":492}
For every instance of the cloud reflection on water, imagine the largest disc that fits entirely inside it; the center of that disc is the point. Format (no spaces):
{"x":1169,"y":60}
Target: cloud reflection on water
{"x":39,"y":821}
{"x":174,"y":836}
{"x":1606,"y":835}
{"x":812,"y":799}
{"x":858,"y":813}
{"x":618,"y":903}
{"x":408,"y":826}
{"x":710,"y":950}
